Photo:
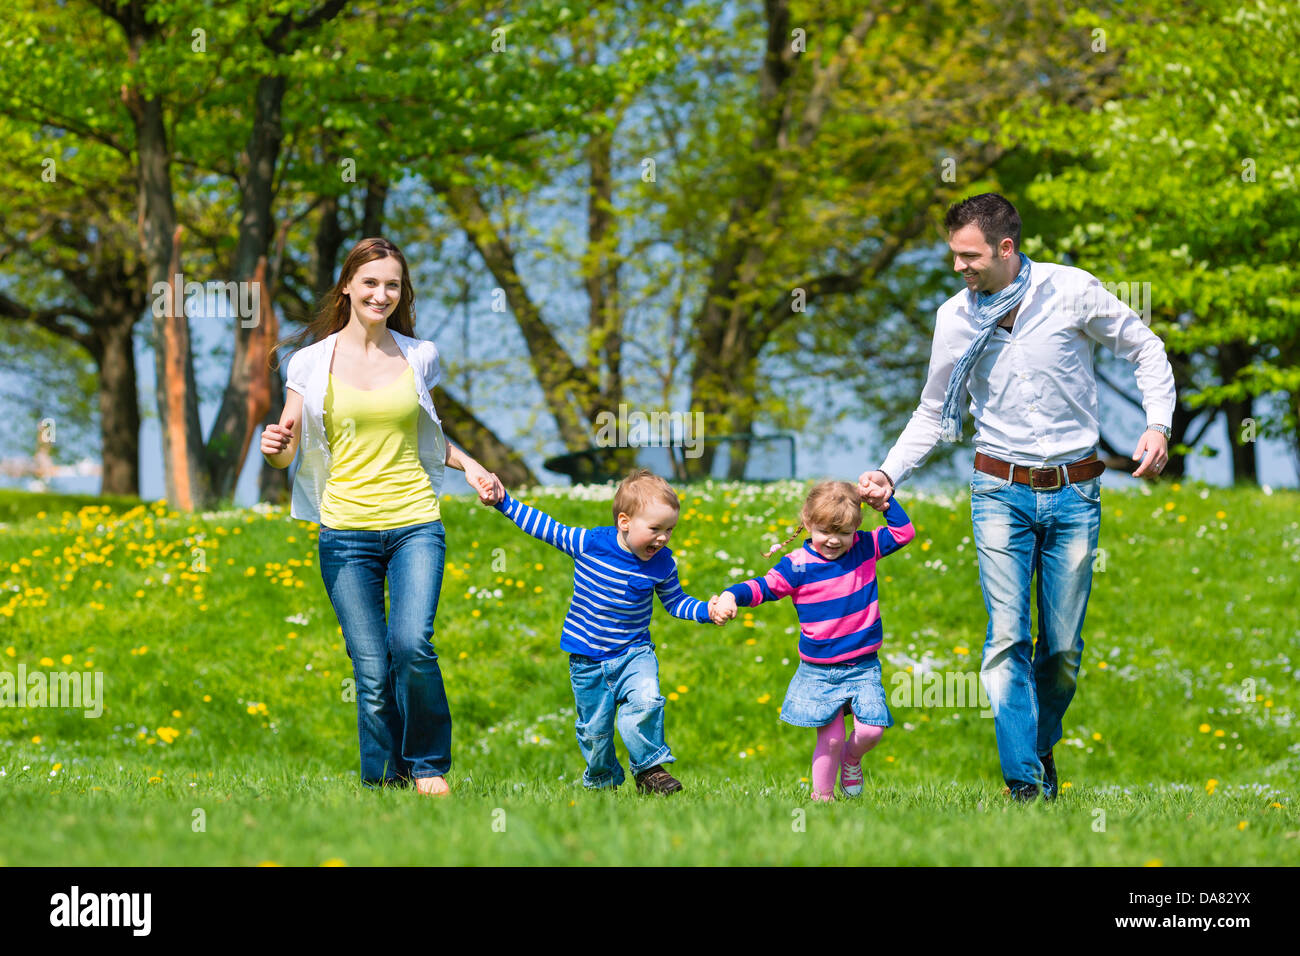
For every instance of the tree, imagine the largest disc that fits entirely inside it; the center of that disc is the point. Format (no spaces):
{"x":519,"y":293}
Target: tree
{"x":1189,"y":183}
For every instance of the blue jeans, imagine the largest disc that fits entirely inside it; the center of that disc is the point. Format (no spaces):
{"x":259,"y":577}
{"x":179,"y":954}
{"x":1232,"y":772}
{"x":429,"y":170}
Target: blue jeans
{"x":629,"y":682}
{"x":1019,"y":533}
{"x":403,"y":720}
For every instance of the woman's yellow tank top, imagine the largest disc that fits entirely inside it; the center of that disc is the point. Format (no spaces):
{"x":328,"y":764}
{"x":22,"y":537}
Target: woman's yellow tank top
{"x":376,"y":480}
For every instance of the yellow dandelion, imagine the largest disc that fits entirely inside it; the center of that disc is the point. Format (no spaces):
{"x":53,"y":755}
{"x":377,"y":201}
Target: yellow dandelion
{"x":36,"y":739}
{"x":1102,"y":665}
{"x":66,"y":658}
{"x":1221,"y":515}
{"x":673,"y":695}
{"x":267,"y":862}
{"x":889,"y":759}
{"x":682,"y":688}
{"x":961,"y":650}
{"x":46,"y":662}
{"x":1096,"y":736}
{"x":1204,"y":728}
{"x":1066,"y":785}
{"x":1169,"y":506}
{"x":765,"y":698}
{"x":1210,"y":785}
{"x":1153,"y":863}
{"x":1242,"y":825}
{"x":464,"y":654}
{"x":1218,"y":733}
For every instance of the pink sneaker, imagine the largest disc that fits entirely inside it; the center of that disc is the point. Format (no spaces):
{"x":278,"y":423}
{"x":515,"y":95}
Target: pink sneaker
{"x":851,"y":779}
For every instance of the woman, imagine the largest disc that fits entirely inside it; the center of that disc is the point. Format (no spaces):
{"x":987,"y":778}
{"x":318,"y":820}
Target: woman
{"x":360,"y":397}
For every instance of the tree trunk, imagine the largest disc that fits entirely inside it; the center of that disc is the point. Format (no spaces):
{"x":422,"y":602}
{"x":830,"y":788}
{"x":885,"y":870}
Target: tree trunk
{"x":119,"y":408}
{"x":247,"y":396}
{"x":273,"y":483}
{"x":175,"y":389}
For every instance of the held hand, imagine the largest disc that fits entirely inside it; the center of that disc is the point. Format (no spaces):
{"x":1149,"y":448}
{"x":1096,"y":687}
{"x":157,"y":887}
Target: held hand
{"x":488,"y":486}
{"x":874,"y":489}
{"x":1153,"y":447}
{"x":276,"y":438}
{"x":722,"y":608}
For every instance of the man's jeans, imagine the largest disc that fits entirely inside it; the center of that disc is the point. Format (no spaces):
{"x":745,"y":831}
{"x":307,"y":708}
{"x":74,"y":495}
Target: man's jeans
{"x":629,"y":682}
{"x":1018,"y":532}
{"x":403,"y":720}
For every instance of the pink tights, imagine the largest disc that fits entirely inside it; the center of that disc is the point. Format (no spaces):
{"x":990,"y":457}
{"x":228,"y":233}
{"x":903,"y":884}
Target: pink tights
{"x":832,"y":747}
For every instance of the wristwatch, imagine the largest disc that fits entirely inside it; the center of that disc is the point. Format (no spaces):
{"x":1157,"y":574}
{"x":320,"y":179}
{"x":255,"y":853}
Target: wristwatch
{"x":1162,"y":429}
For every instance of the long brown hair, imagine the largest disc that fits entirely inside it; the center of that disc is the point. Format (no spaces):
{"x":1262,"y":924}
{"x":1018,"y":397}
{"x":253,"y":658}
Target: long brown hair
{"x":336,"y":308}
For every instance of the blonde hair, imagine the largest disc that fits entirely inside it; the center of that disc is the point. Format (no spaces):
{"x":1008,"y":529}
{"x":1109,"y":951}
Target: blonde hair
{"x":830,"y":504}
{"x":638,"y":489}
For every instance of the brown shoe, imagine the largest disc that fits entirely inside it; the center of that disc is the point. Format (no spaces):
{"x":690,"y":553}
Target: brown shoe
{"x":657,"y":780}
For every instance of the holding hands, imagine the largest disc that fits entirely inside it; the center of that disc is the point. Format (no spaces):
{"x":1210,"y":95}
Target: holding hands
{"x":488,"y":485}
{"x":875,"y":490}
{"x":722,"y":608}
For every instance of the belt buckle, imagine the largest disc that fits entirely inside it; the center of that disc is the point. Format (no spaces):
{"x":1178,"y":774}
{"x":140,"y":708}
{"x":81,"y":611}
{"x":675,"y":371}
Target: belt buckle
{"x":1033,"y":479}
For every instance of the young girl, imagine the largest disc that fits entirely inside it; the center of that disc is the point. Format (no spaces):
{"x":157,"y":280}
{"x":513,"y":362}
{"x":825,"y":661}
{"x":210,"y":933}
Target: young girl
{"x":832,"y":581}
{"x":360,"y":399}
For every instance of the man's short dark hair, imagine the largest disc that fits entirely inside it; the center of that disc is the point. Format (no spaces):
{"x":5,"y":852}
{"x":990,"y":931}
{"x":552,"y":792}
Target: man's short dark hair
{"x":995,"y":216}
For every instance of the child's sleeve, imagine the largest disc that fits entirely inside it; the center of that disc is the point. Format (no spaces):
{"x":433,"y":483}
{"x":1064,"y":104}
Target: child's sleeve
{"x":897,"y":531}
{"x":780,"y":582}
{"x":542,"y":526}
{"x":678,"y":603}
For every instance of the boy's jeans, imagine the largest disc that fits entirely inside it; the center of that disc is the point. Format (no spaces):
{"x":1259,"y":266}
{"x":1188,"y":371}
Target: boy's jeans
{"x":1018,"y":532}
{"x":631,"y":683}
{"x":403,"y":720}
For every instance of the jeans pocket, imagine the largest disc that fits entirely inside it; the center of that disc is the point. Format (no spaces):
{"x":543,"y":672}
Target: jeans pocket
{"x":986,"y":484}
{"x":1089,"y":491}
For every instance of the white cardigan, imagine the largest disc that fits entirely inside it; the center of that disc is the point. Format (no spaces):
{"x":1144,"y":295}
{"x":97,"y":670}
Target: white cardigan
{"x":308,"y":375}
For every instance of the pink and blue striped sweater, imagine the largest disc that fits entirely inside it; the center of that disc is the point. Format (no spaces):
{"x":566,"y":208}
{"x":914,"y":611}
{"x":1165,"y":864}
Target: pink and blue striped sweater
{"x":839,"y":614}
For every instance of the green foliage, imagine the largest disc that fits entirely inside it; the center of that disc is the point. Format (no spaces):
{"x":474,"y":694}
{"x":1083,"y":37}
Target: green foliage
{"x":1189,"y":181}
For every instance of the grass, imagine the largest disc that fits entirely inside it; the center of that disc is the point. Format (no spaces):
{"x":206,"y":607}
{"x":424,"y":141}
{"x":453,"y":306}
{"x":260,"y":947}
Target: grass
{"x":226,"y":737}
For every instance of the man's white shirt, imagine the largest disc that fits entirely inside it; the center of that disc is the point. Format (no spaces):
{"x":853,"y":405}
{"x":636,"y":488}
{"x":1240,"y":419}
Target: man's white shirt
{"x":1033,"y":391}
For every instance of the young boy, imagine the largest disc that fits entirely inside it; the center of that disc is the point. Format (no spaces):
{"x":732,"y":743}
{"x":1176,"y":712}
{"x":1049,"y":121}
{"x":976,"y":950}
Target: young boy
{"x":612,"y":662}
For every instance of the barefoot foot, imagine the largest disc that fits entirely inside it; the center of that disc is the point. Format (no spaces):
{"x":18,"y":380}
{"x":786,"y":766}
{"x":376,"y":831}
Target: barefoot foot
{"x":432,"y":786}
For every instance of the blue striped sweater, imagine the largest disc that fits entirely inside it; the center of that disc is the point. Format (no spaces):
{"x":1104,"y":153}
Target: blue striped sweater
{"x":610,"y":609}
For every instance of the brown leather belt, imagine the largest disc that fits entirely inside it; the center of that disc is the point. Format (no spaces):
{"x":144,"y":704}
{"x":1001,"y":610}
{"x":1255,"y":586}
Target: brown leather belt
{"x":1040,"y":479}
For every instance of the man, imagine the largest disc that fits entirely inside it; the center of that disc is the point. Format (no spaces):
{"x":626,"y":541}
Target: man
{"x":1019,"y":341}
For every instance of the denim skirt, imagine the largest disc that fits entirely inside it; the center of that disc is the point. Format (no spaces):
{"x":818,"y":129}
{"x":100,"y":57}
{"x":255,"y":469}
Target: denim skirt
{"x":819,"y":693}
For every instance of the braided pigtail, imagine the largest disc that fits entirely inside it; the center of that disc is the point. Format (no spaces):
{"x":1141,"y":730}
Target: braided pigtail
{"x":794,"y":534}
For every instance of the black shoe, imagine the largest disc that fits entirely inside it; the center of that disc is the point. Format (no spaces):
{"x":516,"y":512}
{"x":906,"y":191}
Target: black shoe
{"x":1049,"y":776}
{"x":1023,"y":792}
{"x":657,"y":780}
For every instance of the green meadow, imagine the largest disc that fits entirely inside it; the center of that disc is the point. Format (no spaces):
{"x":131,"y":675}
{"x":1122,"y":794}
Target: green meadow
{"x":227,"y":732}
